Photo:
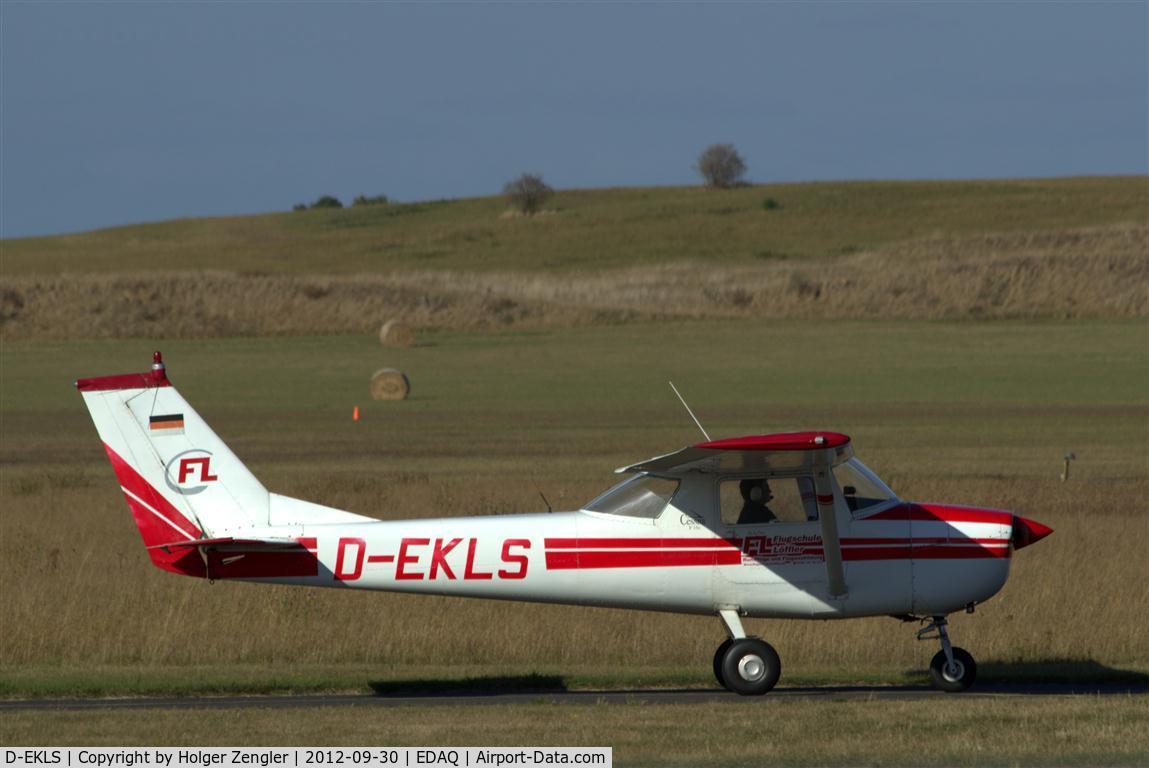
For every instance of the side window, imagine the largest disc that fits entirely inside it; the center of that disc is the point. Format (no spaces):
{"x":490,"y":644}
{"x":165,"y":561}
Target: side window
{"x":761,"y":500}
{"x":638,"y":496}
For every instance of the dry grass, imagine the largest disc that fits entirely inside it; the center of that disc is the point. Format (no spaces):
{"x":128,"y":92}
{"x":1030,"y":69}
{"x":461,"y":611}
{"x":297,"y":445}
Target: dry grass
{"x":1049,"y":274}
{"x":1082,"y":730}
{"x":979,"y":414}
{"x":113,"y":611}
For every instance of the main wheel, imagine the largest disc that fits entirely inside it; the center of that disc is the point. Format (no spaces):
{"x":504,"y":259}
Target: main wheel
{"x":750,"y":667}
{"x":956,"y":678}
{"x":719,"y":655}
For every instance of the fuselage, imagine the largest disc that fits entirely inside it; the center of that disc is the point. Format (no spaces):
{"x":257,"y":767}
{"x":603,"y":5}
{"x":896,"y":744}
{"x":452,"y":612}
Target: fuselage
{"x":901,"y":559}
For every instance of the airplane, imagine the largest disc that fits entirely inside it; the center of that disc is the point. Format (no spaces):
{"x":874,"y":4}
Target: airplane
{"x":788,"y":525}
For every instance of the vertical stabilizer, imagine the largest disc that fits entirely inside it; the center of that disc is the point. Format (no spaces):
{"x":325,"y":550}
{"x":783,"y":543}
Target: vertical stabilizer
{"x":181,"y":481}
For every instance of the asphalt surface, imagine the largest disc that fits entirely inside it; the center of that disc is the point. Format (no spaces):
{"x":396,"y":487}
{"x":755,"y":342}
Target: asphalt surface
{"x":488,"y":697}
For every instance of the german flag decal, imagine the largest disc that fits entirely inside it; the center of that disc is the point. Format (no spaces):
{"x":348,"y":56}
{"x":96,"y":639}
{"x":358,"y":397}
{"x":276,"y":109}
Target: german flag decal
{"x":169,"y":424}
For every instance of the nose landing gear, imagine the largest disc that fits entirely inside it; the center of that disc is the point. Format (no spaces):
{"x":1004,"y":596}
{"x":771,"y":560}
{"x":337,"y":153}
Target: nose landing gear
{"x":952,"y":669}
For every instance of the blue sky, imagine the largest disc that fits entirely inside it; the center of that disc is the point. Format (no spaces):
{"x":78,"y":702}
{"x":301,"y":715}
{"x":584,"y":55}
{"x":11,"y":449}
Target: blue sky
{"x":115,"y":113}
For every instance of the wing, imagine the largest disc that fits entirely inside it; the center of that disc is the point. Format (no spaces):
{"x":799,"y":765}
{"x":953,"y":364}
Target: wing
{"x":753,"y":453}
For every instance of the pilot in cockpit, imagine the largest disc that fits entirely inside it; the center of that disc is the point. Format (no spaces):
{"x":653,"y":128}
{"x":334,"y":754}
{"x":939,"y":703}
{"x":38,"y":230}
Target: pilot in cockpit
{"x":756,"y":495}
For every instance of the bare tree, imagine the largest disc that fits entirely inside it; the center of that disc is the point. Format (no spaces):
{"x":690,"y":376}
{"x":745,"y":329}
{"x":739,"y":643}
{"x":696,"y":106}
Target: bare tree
{"x":721,"y":166}
{"x":528,"y":192}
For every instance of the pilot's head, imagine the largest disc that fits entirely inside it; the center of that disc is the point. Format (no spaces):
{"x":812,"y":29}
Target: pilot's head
{"x":756,"y":491}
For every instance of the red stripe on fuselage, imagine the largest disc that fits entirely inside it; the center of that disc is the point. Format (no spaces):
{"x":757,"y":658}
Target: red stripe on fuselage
{"x":944,"y":514}
{"x":569,"y":554}
{"x":639,"y":543}
{"x":649,"y":559}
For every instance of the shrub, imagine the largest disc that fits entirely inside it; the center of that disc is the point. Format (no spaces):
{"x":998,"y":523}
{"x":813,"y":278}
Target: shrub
{"x":770,"y":204}
{"x":721,"y":166}
{"x":299,"y":207}
{"x":327,"y":201}
{"x":527,"y":193}
{"x":376,"y":200}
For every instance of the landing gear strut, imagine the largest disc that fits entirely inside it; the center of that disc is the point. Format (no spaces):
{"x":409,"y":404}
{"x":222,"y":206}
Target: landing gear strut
{"x":745,"y":665}
{"x":952,"y":669}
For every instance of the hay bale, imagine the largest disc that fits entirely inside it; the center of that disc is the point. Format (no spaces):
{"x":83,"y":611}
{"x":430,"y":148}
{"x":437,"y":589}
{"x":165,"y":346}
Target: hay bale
{"x":390,"y":384}
{"x":396,"y":334}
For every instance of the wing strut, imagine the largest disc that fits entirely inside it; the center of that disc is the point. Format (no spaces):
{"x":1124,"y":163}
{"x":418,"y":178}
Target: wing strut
{"x":831,"y":547}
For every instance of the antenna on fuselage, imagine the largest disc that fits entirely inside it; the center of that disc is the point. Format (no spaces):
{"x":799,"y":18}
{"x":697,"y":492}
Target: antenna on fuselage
{"x":682,"y":400}
{"x":542,"y":495}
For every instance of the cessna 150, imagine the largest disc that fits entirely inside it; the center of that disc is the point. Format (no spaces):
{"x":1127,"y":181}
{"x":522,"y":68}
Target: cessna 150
{"x":777,"y":526}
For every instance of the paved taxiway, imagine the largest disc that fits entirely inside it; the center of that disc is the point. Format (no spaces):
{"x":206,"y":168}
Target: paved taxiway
{"x":474,"y":697}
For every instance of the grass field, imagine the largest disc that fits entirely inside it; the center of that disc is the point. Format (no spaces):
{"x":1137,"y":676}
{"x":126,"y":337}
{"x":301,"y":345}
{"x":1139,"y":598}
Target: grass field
{"x":974,"y":413}
{"x":1039,"y":249}
{"x":966,"y":334}
{"x":1080,"y":730}
{"x":594,"y":229}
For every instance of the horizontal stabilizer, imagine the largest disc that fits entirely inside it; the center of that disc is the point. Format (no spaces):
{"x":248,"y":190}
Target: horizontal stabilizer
{"x":228,"y":542}
{"x":232,"y":558}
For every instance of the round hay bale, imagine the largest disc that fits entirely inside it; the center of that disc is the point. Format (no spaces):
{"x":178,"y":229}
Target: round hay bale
{"x":396,"y":334}
{"x":390,"y":384}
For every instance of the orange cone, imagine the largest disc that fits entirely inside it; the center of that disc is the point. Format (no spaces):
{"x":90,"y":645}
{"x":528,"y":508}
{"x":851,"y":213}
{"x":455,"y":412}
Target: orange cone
{"x":355,"y":414}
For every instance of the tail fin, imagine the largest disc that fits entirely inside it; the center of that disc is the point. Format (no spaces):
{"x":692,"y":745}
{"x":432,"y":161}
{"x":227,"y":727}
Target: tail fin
{"x":181,"y":481}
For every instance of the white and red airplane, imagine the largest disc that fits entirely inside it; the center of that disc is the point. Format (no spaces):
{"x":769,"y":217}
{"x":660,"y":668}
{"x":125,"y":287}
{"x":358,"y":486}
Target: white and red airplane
{"x":776,"y":526}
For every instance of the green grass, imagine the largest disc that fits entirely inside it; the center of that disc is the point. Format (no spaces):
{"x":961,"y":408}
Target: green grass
{"x":1046,"y":388}
{"x":1077,"y":730}
{"x":972,"y":412}
{"x":101,"y":681}
{"x":593,"y":229}
{"x":977,"y":413}
{"x":741,"y":364}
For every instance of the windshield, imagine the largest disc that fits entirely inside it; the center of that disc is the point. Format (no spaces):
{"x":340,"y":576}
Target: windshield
{"x":638,"y":496}
{"x":860,"y":486}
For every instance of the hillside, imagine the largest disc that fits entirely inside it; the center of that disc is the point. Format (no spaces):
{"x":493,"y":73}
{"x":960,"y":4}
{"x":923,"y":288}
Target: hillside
{"x":972,"y":249}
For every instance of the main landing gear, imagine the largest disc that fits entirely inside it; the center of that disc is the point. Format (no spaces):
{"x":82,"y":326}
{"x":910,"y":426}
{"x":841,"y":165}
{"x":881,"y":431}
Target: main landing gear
{"x":745,"y":665}
{"x":751,"y":667}
{"x":952,"y":669}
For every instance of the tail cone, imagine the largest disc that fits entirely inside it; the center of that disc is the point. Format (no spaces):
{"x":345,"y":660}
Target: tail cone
{"x":1026,"y":532}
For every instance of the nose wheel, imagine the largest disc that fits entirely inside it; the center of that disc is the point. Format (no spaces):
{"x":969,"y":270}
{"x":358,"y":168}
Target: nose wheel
{"x":952,"y":669}
{"x":955,"y":676}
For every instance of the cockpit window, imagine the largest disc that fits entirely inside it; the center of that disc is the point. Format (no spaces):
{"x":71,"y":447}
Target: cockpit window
{"x":861,"y":487}
{"x":638,"y":496}
{"x":762,"y":500}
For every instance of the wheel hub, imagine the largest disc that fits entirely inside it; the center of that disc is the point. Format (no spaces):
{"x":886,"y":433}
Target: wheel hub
{"x":954,"y":672}
{"x":751,"y":668}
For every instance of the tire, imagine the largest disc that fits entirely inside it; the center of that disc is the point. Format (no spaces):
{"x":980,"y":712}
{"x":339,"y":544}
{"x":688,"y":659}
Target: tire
{"x":750,"y":667}
{"x":719,"y":655}
{"x":953,"y":681}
